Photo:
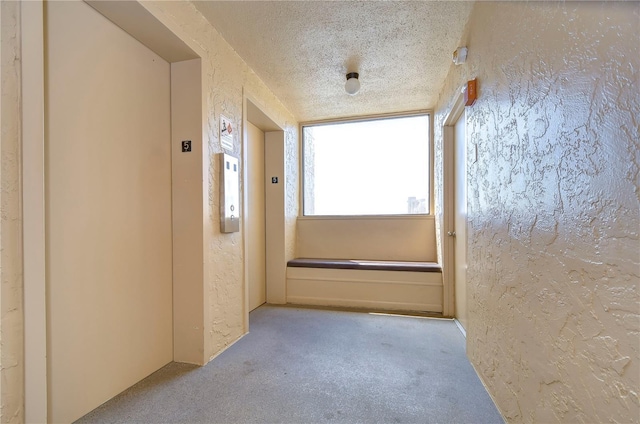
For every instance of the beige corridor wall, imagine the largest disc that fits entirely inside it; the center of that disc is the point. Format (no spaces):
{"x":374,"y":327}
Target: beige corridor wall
{"x":11,"y":310}
{"x":225,"y":80}
{"x":186,"y":216}
{"x":392,"y":238}
{"x":553,"y":207}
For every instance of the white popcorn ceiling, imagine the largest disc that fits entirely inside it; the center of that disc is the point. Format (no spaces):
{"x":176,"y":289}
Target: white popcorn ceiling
{"x":302,"y":51}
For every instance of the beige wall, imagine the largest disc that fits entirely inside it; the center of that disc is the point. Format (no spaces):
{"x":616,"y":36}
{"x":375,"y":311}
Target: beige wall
{"x":395,"y":238}
{"x":11,"y":329}
{"x":553,"y":207}
{"x":187,"y":218}
{"x":108,"y":173}
{"x":274,"y":200}
{"x":372,"y":238}
{"x":533,"y":94}
{"x":225,"y":80}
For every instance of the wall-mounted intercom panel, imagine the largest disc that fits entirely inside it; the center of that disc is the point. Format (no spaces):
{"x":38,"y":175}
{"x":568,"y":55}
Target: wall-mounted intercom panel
{"x":229,"y":194}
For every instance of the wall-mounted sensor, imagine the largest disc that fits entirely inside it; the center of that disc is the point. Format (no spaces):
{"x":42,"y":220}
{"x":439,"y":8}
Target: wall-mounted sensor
{"x":460,"y":55}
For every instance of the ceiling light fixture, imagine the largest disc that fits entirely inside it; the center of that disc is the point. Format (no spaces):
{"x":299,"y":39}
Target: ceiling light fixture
{"x":352,"y":86}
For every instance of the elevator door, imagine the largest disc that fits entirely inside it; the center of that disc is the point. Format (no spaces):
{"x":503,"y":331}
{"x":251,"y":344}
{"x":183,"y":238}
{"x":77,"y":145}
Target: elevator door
{"x":108,"y":210}
{"x":255,"y":216}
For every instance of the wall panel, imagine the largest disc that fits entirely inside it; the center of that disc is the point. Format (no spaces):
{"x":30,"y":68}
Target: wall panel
{"x":372,"y":238}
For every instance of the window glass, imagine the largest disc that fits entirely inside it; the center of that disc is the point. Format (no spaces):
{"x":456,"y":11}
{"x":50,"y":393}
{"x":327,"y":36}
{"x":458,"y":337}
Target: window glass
{"x":372,"y":167}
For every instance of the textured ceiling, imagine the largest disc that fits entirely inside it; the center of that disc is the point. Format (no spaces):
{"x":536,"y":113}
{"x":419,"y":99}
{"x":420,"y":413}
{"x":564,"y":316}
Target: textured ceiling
{"x":302,"y":50}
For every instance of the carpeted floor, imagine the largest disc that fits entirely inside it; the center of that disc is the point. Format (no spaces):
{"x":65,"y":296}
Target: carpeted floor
{"x":317,"y":366}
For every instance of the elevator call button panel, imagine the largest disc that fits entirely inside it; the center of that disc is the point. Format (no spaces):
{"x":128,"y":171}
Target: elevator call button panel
{"x":229,"y":194}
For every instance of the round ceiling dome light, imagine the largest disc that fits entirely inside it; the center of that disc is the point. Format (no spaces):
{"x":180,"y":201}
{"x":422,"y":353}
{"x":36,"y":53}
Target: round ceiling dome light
{"x":352,"y":86}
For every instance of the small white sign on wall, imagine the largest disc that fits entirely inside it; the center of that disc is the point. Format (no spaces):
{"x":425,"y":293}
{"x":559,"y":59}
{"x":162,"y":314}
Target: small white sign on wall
{"x":226,"y":133}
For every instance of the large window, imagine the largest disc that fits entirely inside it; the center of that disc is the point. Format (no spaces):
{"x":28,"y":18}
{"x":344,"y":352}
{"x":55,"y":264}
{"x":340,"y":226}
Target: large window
{"x":368,"y":167}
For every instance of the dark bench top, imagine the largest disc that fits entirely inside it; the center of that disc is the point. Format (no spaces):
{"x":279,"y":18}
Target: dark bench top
{"x":367,"y":265}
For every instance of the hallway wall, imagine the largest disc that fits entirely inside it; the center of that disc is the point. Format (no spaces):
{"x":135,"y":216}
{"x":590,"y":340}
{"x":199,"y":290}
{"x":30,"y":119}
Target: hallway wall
{"x":391,"y":238}
{"x":553,"y":207}
{"x":225,"y":79}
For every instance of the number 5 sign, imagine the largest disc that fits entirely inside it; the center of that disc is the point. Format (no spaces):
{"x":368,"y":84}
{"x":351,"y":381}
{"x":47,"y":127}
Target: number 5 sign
{"x":226,"y":133}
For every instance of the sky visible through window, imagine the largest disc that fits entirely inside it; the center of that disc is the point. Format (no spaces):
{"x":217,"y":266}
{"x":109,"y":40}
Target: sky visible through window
{"x":377,"y":167}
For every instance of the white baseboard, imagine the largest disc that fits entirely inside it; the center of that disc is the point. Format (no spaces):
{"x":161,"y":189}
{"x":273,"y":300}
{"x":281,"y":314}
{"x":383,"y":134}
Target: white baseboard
{"x":460,"y":327}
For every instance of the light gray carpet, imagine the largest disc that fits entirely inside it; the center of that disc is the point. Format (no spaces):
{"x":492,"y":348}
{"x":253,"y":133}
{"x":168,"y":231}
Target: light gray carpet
{"x":317,"y":366}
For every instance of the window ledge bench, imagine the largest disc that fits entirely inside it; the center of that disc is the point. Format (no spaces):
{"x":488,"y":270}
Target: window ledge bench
{"x":367,"y":265}
{"x":391,"y":285}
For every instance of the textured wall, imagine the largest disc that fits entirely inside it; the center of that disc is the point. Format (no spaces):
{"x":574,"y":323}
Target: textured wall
{"x":225,"y":76}
{"x":11,"y":322}
{"x":553,"y":203}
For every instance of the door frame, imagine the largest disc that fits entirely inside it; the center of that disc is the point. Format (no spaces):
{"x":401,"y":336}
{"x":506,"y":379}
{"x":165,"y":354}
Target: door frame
{"x":252,"y":112}
{"x":33,"y":211}
{"x":448,"y":216}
